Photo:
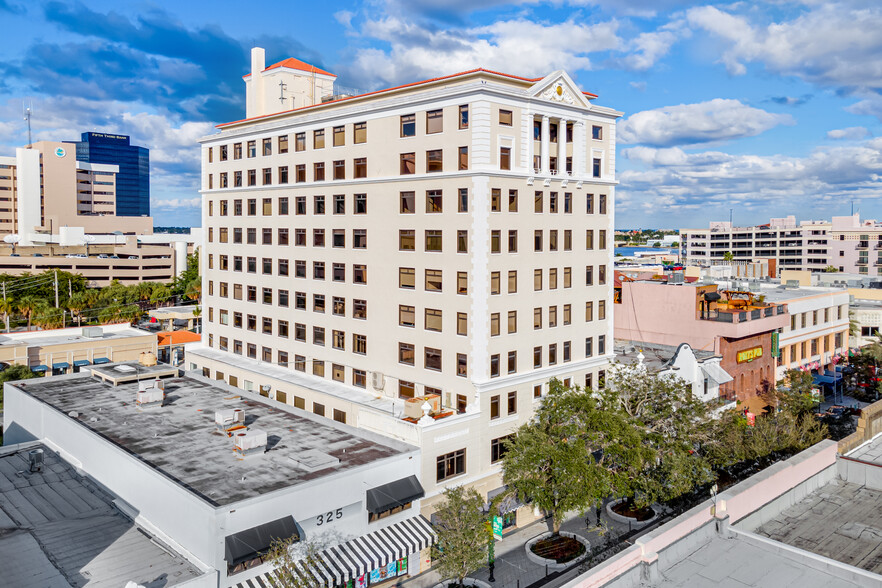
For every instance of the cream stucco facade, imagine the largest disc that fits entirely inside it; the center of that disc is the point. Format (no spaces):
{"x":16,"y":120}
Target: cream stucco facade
{"x":477,"y":268}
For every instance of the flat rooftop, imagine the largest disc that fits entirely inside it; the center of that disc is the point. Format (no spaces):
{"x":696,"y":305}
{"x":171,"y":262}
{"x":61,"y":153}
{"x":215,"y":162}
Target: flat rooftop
{"x":870,"y":452}
{"x":779,"y":294}
{"x":57,"y":529}
{"x":181,"y":441}
{"x":67,"y":336}
{"x":840,"y":520}
{"x":738,"y":563}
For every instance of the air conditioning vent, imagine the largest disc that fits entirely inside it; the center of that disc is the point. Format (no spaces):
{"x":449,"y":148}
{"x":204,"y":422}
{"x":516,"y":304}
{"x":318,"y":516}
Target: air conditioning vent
{"x":378,"y":380}
{"x":229,"y":419}
{"x":250,"y":442}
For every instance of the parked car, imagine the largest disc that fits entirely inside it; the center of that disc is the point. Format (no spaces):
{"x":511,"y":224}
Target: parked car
{"x":103,"y":256}
{"x":133,"y":257}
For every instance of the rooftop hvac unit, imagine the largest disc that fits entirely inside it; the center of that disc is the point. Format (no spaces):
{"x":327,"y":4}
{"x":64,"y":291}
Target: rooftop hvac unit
{"x":35,"y":460}
{"x":250,"y":442}
{"x":230,"y":418}
{"x":151,"y":384}
{"x":93,"y":332}
{"x":378,"y":380}
{"x":676,"y":278}
{"x":150,"y":398}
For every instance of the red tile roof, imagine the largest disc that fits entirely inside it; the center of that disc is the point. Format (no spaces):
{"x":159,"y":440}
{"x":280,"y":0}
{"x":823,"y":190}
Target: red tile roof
{"x":292,"y":63}
{"x":456,"y":75}
{"x":176,"y":337}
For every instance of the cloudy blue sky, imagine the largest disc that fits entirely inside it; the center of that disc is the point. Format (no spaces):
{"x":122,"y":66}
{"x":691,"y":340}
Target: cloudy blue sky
{"x":770,"y":108}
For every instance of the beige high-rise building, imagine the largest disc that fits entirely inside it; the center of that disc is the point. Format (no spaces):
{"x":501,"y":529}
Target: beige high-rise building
{"x":44,"y":187}
{"x":418,"y":261}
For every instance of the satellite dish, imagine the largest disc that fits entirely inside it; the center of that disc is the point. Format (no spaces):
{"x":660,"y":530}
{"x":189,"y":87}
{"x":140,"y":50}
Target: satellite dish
{"x":89,"y":238}
{"x":13,"y":239}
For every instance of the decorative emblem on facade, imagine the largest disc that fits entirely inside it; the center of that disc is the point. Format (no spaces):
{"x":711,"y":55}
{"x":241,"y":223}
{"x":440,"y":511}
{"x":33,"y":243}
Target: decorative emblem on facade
{"x":558,"y":93}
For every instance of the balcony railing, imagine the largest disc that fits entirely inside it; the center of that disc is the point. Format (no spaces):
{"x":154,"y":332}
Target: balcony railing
{"x":725,"y":315}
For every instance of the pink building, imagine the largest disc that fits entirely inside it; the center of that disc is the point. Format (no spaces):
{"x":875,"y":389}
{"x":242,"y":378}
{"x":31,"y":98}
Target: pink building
{"x":731,"y":324}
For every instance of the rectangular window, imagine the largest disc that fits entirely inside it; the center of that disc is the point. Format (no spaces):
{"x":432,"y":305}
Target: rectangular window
{"x":434,"y":160}
{"x":318,"y":139}
{"x":494,"y":283}
{"x":601,"y":204}
{"x":450,"y":465}
{"x":339,"y":204}
{"x":601,"y":310}
{"x":318,"y":171}
{"x":462,"y":323}
{"x":552,"y":354}
{"x":359,"y":344}
{"x":360,"y":132}
{"x":408,"y":125}
{"x":512,"y":200}
{"x":408,"y":164}
{"x":359,"y":238}
{"x":495,"y":241}
{"x":494,"y":366}
{"x":432,"y":359}
{"x":406,"y":277}
{"x":433,"y":319}
{"x":360,"y":164}
{"x":462,"y":241}
{"x":340,"y":170}
{"x":433,"y":240}
{"x":406,"y":240}
{"x":463,"y":158}
{"x":300,"y":173}
{"x":283,"y":174}
{"x":339,"y":136}
{"x":283,"y":144}
{"x":589,"y":347}
{"x":406,"y":316}
{"x":537,"y":357}
{"x":494,"y":324}
{"x":494,"y":407}
{"x":537,"y":318}
{"x":505,"y":158}
{"x":434,"y":121}
{"x":300,"y":203}
{"x":537,"y":202}
{"x":537,"y":240}
{"x":359,"y":309}
{"x":512,"y":321}
{"x":300,"y":142}
{"x":495,"y":200}
{"x":464,"y":116}
{"x":512,"y":281}
{"x":596,"y":167}
{"x":462,"y":282}
{"x":433,"y":280}
{"x":462,"y":365}
{"x":407,"y":202}
{"x":463,"y":200}
{"x":512,"y":404}
{"x":601,"y":344}
{"x":360,"y":204}
{"x":537,"y":280}
{"x":597,"y":132}
{"x":505,"y":117}
{"x":434,"y":201}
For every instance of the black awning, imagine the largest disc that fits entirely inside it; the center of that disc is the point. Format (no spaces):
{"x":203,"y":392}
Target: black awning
{"x":397,"y":493}
{"x":253,"y":542}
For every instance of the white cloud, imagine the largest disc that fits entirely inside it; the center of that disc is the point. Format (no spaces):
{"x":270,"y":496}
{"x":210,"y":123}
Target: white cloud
{"x":850,"y":133}
{"x":639,"y":86}
{"x":835,"y":44}
{"x":704,"y":122}
{"x":517,"y":46}
{"x":670,"y":181}
{"x":178,"y":203}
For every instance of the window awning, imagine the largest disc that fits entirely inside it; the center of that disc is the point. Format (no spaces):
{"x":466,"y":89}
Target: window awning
{"x":508,"y":504}
{"x":356,"y":557}
{"x":716,"y":373}
{"x":81,"y":362}
{"x":393,"y":494}
{"x":248,"y":544}
{"x":99,"y":360}
{"x":60,"y":365}
{"x":40,"y":368}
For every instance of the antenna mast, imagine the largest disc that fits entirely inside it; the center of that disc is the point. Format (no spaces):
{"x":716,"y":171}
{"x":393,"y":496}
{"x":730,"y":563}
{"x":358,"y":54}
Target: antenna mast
{"x":27,"y":108}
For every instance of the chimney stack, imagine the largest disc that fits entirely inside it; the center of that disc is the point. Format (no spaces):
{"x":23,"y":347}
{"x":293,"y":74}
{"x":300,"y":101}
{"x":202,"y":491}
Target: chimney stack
{"x":254,"y":88}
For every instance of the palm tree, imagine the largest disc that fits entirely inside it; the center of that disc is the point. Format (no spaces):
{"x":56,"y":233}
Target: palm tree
{"x":77,"y":304}
{"x":160,"y":294}
{"x":194,"y":290}
{"x":48,"y":317}
{"x":7,"y":308}
{"x":130,"y":313}
{"x":28,"y":305}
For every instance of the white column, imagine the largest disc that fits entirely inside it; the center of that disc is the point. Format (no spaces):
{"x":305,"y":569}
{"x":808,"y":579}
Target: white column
{"x":546,"y":145}
{"x":561,"y":146}
{"x":579,"y":143}
{"x":530,"y":144}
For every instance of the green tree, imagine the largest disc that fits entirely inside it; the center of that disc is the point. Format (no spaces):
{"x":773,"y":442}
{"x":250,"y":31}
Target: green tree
{"x":570,"y":456}
{"x":728,"y":257}
{"x":181,"y":282}
{"x":28,"y":305}
{"x":462,"y":534}
{"x":671,"y":424}
{"x":49,"y":317}
{"x":287,"y":555}
{"x":830,"y":269}
{"x":7,"y":309}
{"x":78,"y":303}
{"x":793,"y":394}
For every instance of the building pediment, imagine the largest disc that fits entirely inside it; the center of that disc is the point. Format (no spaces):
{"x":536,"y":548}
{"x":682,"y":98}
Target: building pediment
{"x":559,"y":87}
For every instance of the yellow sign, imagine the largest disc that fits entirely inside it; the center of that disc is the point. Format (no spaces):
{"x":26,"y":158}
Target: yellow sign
{"x":749,"y":355}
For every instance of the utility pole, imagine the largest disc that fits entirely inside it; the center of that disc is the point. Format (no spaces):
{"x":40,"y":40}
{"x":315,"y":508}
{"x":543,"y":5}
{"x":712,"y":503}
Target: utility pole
{"x":56,"y":288}
{"x":69,"y":288}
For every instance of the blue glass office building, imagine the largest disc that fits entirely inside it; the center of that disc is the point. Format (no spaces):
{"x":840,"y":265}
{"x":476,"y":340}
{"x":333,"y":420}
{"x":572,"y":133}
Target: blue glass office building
{"x":133,"y":180}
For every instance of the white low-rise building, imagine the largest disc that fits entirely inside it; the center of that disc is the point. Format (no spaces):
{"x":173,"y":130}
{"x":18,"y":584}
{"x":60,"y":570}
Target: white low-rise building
{"x":215,"y":473}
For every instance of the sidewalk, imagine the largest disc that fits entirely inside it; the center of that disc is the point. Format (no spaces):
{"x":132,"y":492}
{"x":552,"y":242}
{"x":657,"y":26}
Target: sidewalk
{"x":513,"y":569}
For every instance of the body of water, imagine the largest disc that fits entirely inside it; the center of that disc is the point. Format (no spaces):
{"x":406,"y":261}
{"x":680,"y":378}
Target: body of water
{"x":628,"y":251}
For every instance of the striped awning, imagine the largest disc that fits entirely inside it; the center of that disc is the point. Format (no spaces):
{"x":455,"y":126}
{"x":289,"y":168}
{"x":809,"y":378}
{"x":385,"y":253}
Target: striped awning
{"x":339,"y":564}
